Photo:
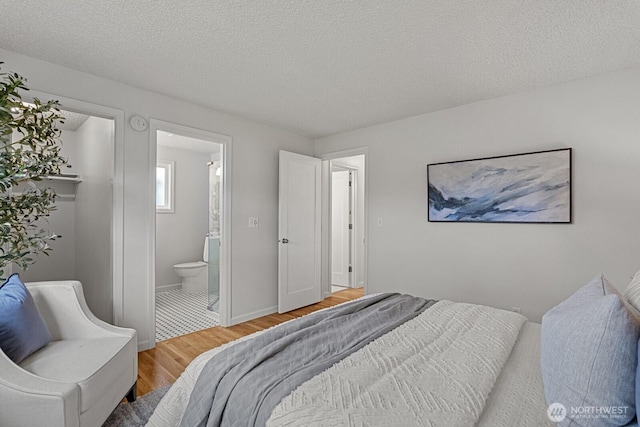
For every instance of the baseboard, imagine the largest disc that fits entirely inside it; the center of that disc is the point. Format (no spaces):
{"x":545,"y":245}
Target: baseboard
{"x":165,"y":288}
{"x":253,"y":315}
{"x":143,"y":345}
{"x":215,"y":316}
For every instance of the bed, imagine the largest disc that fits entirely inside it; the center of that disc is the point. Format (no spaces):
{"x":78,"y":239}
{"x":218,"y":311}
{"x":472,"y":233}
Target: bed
{"x":451,"y":364}
{"x":398,"y":360}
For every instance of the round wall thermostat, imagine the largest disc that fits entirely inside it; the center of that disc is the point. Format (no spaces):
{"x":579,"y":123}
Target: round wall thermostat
{"x":138,"y":123}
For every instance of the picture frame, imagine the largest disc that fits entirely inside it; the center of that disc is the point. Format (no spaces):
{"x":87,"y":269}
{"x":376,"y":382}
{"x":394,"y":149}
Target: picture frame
{"x":531,"y":187}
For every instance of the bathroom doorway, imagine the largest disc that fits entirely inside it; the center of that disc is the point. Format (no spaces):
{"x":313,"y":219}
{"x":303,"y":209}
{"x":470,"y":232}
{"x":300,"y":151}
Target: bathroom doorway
{"x":189,"y":229}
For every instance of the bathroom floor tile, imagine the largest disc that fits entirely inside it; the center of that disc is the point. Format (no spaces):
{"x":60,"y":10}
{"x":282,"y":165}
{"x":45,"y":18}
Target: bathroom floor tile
{"x":179,"y":314}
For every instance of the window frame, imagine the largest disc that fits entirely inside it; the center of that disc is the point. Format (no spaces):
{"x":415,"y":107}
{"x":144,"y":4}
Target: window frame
{"x":169,"y":188}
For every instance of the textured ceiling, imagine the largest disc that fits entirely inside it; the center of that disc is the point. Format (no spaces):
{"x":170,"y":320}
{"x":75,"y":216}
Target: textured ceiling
{"x":72,"y":121}
{"x":321,"y":67}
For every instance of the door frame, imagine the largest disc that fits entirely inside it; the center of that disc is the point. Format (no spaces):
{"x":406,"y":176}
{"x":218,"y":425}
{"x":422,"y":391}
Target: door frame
{"x":225,"y":141}
{"x":117,"y":207}
{"x":326,"y":215}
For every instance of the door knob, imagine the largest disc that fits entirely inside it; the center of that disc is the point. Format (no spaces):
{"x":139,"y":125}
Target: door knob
{"x":284,"y":240}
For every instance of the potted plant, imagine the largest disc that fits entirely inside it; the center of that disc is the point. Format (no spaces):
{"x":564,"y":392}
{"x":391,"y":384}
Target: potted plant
{"x":29,"y":151}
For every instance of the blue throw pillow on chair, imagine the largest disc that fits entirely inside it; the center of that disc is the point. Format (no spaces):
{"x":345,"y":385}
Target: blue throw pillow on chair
{"x":22,"y":329}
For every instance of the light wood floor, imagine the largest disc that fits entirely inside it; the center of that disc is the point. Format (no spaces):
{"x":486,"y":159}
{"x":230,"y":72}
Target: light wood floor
{"x":164,"y":364}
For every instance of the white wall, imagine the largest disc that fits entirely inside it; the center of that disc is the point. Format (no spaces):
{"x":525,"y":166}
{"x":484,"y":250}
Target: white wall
{"x":180,"y":235}
{"x":60,"y":264}
{"x":254,"y":184}
{"x":508,"y":265}
{"x":94,"y":163}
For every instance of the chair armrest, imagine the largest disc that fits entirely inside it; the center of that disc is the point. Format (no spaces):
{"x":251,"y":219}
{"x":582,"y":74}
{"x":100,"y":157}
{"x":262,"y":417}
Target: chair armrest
{"x":65,"y":311}
{"x":29,"y":400}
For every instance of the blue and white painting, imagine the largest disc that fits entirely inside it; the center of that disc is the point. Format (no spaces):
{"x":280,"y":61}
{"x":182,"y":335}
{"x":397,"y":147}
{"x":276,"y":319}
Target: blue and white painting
{"x":532,"y":187}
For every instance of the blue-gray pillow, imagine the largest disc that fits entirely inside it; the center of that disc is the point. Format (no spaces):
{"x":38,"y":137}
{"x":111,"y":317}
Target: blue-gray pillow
{"x":22,"y":330}
{"x":589,"y":356}
{"x":638,"y":382}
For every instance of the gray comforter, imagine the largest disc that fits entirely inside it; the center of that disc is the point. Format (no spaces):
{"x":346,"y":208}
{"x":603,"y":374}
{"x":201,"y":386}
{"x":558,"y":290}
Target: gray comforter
{"x":242,"y":384}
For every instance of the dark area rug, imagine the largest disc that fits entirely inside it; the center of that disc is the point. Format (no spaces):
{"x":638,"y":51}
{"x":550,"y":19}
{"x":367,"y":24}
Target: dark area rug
{"x":136,"y":414}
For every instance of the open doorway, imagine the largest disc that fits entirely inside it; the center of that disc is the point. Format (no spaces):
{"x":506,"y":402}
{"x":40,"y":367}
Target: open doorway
{"x":347,"y":223}
{"x":189,"y":243}
{"x":342,"y":226}
{"x":84,"y":215}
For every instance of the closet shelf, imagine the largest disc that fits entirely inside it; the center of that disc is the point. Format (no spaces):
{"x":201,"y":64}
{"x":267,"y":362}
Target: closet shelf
{"x":63,"y":177}
{"x":65,"y":185}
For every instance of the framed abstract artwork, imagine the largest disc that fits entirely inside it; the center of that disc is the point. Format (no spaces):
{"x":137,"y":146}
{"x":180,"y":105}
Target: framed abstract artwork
{"x":521,"y":188}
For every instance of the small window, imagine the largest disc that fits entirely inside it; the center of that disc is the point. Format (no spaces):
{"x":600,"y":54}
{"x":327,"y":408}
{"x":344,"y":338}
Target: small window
{"x":164,"y":186}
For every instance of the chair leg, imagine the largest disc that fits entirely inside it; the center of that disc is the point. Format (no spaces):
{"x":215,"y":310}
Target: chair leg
{"x":132,"y":395}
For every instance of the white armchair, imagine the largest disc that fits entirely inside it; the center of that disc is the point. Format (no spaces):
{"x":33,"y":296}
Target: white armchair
{"x":80,"y":376}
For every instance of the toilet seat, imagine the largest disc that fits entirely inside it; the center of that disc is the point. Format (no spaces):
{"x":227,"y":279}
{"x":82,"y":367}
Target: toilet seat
{"x":195,"y":264}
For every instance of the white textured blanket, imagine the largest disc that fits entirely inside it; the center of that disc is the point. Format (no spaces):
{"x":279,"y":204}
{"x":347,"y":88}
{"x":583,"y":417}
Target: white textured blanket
{"x":435,"y":370}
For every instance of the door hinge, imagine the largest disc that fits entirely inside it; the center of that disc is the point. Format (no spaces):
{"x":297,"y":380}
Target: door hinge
{"x":350,"y":269}
{"x":350,"y":226}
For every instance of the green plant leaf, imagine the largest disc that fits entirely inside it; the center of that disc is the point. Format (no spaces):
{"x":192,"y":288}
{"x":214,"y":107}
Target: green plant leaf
{"x":29,"y":149}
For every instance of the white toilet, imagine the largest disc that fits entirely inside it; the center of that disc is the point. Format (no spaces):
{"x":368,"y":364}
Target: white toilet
{"x":193,"y":274}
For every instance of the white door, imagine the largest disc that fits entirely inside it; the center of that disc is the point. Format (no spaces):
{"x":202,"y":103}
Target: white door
{"x":299,"y":231}
{"x":340,"y":233}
